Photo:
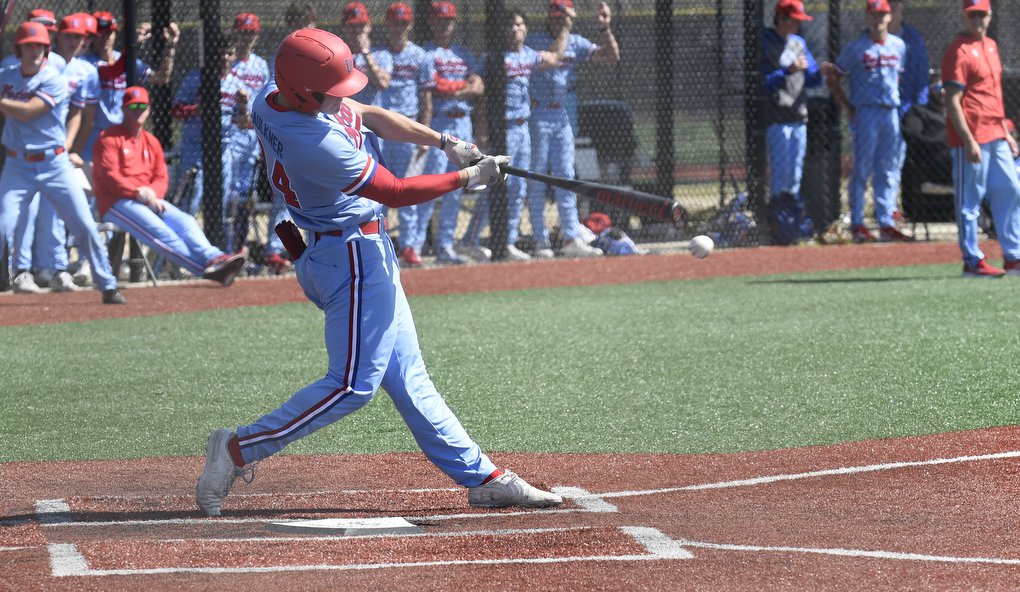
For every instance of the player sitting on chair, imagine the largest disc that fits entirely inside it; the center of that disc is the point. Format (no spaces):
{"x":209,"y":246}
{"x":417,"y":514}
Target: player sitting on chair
{"x":130,"y":181}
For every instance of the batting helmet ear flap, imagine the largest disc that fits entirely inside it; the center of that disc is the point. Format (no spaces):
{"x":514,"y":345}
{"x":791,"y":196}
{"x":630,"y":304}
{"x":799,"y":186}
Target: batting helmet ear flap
{"x":312,"y":64}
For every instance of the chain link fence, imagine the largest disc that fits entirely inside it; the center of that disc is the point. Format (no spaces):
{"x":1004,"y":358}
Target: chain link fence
{"x":683,"y":113}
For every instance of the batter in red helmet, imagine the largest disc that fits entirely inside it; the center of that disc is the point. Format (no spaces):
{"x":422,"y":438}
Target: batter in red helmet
{"x":319,"y":153}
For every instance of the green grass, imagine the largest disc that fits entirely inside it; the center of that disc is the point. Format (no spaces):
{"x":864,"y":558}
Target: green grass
{"x":696,"y":366}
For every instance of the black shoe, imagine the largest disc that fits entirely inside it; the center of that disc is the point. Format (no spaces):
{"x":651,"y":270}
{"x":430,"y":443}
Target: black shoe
{"x":113,"y":297}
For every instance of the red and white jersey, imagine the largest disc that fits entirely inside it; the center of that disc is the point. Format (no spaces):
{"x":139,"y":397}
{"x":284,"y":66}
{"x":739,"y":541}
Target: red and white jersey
{"x":317,"y":164}
{"x":254,"y":72}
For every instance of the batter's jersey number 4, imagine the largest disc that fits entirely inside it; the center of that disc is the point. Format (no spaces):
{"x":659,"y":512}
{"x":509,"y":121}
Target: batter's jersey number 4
{"x":282,"y":184}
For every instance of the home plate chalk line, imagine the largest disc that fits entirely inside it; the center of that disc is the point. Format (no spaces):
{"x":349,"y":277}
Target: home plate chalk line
{"x":67,"y":560}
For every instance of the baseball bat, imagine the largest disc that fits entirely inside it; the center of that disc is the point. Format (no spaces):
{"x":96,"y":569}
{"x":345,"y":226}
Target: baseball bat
{"x":638,"y":202}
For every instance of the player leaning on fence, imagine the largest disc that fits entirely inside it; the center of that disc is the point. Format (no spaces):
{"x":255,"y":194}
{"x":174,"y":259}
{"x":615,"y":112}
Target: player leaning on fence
{"x":982,"y":148}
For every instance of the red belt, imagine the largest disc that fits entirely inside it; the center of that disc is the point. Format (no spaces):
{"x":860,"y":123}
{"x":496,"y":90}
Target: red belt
{"x":370,"y":227}
{"x":518,"y":121}
{"x":535,"y":104}
{"x":38,"y":156}
{"x":456,"y":114}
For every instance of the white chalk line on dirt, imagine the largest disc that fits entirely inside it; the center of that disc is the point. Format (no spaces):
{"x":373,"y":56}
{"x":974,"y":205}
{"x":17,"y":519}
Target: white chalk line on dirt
{"x":66,"y":560}
{"x":810,"y":475}
{"x":873,"y":554}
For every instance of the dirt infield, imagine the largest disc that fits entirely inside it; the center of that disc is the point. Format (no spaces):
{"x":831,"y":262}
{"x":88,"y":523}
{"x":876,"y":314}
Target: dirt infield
{"x":928,"y":512}
{"x":935,"y":512}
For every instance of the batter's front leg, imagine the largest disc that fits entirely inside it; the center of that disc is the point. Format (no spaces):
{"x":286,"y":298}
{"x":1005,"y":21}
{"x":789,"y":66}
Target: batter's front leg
{"x":435,"y":428}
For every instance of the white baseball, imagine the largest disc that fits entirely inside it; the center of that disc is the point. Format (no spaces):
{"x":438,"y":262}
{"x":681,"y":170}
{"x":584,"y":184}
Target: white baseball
{"x":701,"y":246}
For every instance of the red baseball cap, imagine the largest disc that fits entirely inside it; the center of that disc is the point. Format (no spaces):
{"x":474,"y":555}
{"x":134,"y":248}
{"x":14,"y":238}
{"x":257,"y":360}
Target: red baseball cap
{"x":44,"y":17}
{"x":355,"y":13}
{"x":443,"y":10}
{"x":792,"y":9}
{"x":877,"y":6}
{"x":246,"y":21}
{"x":31,"y":32}
{"x":105,"y":21}
{"x":75,"y":24}
{"x":977,"y":5}
{"x":135,"y":95}
{"x":398,"y":11}
{"x":561,"y":7}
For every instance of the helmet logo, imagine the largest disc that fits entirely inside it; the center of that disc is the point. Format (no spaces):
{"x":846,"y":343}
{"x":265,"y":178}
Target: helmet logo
{"x":348,"y":65}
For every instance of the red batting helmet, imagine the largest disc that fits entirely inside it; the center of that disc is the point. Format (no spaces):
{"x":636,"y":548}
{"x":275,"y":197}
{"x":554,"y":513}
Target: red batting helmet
{"x":30,"y":32}
{"x":313,"y":63}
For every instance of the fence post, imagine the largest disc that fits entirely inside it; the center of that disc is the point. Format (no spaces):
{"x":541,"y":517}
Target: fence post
{"x":212,"y":159}
{"x":665,"y":150}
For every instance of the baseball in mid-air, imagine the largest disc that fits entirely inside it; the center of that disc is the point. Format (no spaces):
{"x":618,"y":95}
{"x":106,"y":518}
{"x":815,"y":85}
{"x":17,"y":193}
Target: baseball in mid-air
{"x":701,"y":246}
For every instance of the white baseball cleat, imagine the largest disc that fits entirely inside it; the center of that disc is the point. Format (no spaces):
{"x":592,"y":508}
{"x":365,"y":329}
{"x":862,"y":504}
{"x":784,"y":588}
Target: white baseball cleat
{"x":543,"y":250}
{"x":24,"y":283}
{"x":63,"y":282}
{"x":218,"y":475}
{"x":515,"y":254}
{"x":510,"y":490}
{"x":576,"y":248}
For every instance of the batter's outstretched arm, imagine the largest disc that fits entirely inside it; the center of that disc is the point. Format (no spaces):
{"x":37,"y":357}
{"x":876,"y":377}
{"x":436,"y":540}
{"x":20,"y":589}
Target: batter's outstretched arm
{"x":394,"y":126}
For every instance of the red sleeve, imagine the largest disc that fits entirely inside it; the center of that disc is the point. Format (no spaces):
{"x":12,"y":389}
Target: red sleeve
{"x":448,"y":87}
{"x":397,"y":193}
{"x":110,"y":187}
{"x":113,"y":70}
{"x":181,"y":111}
{"x":160,"y":177}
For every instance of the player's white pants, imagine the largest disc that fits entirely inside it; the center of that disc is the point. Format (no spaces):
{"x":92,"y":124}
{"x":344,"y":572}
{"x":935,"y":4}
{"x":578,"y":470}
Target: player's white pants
{"x":371,"y":342}
{"x":518,"y":144}
{"x":552,"y":151}
{"x":449,"y":208}
{"x":175,"y":234}
{"x":876,"y":140}
{"x":55,"y":181}
{"x":39,"y":237}
{"x":787,"y":146}
{"x":993,"y":179}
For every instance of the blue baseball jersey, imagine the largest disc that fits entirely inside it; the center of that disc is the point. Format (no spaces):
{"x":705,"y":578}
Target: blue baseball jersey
{"x":519,"y":68}
{"x":46,"y":131}
{"x":874,"y":69}
{"x":316,"y":164}
{"x":915,"y":78}
{"x":82,"y":82}
{"x":372,"y":94}
{"x":551,"y":86}
{"x":410,"y":74}
{"x":452,"y":63}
